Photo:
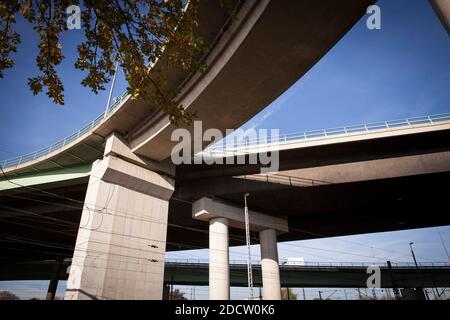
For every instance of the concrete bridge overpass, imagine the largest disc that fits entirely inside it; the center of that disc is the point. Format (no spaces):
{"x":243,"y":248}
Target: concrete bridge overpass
{"x":383,"y":179}
{"x":389,"y":167}
{"x":310,"y":275}
{"x":58,"y":202}
{"x":253,"y":58}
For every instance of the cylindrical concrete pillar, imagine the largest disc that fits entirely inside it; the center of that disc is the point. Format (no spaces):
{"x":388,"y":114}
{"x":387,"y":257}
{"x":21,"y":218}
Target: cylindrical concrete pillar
{"x":269,"y":265}
{"x":219,"y":272}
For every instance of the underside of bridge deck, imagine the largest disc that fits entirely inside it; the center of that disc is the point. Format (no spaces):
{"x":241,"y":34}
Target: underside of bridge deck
{"x":40,"y":224}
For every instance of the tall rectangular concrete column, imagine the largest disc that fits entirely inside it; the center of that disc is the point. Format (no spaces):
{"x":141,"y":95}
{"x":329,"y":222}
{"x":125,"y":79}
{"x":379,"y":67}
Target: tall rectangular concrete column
{"x":219,"y":268}
{"x":121,"y":242}
{"x":269,"y":265}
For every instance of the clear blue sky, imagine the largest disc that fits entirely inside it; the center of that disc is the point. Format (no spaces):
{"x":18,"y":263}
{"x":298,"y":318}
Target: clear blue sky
{"x":402,"y":70}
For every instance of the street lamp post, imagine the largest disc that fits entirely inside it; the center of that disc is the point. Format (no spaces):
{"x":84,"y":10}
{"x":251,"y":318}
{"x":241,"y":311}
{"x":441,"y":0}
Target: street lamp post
{"x":108,"y":103}
{"x":414,"y":256}
{"x":417,"y":267}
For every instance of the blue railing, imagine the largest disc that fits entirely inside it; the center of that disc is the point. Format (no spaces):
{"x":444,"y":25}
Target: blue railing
{"x":225,"y":147}
{"x":67,"y":140}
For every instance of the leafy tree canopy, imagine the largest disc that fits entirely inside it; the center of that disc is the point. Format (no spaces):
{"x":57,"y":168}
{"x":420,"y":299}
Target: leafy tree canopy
{"x":6,"y":295}
{"x":133,"y":32}
{"x":177,"y":295}
{"x":288,"y":294}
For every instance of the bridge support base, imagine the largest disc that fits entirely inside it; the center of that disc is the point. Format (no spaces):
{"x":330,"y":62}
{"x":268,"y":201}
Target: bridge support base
{"x":121,"y":242}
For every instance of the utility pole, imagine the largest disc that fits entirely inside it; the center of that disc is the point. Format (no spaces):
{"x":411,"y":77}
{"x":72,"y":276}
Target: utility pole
{"x":394,"y":287}
{"x":320,"y":295}
{"x":171,"y":287}
{"x":247,"y":240}
{"x":304,"y":294}
{"x":427,"y":297}
{"x":443,"y":243}
{"x":53,"y":286}
{"x":414,"y":256}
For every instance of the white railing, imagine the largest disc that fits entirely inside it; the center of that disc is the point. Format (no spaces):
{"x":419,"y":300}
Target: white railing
{"x":63,"y":142}
{"x":240,"y":147}
{"x":236,"y":147}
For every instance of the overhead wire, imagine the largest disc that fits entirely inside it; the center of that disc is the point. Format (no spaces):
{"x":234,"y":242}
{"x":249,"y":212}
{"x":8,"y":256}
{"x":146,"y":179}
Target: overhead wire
{"x":187,"y":228}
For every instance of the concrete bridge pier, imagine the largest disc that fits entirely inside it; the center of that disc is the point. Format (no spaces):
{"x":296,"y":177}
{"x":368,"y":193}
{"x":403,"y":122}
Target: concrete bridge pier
{"x":121,"y":242}
{"x":221,"y":216}
{"x":269,"y":265}
{"x":219,"y":268}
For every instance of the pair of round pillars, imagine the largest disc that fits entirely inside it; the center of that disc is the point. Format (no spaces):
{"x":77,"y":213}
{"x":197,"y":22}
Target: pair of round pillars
{"x":219,"y":268}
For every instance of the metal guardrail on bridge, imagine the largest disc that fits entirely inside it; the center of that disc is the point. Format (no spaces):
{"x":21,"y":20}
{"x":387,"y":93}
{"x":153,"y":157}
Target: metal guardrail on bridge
{"x":63,"y":142}
{"x":391,"y":124}
{"x":307,"y":264}
{"x":226,"y":148}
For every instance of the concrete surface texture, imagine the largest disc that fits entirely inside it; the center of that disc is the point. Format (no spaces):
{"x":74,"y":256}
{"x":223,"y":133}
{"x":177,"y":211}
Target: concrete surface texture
{"x":270,"y":269}
{"x":220,"y":216}
{"x":121,"y":243}
{"x":219,"y":268}
{"x":206,"y":209}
